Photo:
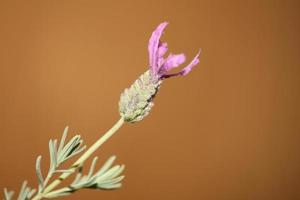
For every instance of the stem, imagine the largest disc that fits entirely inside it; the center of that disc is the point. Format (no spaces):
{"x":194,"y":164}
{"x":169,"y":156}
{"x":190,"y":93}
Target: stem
{"x":81,"y":159}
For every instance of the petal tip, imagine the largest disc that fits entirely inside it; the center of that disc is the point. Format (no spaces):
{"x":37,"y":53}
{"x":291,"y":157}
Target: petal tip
{"x":192,"y":64}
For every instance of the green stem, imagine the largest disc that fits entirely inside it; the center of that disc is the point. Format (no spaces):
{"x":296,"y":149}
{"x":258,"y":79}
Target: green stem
{"x":81,"y":159}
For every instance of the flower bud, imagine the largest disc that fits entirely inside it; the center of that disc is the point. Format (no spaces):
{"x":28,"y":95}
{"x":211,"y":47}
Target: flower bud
{"x":136,"y":101}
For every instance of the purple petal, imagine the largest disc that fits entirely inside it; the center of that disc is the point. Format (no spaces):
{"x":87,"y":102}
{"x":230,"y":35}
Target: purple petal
{"x":162,"y":49}
{"x":185,"y":70}
{"x":192,"y":64}
{"x":171,"y":62}
{"x":153,"y":46}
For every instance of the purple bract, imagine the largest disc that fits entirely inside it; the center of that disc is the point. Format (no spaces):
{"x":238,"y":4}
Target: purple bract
{"x":159,"y":65}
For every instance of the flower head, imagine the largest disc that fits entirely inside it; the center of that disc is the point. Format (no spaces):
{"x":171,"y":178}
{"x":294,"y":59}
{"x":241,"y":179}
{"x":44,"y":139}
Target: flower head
{"x":136,"y":102}
{"x":159,"y":65}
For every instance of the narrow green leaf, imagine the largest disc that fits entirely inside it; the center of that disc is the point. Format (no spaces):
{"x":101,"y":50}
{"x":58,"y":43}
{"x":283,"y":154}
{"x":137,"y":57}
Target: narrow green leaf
{"x":92,"y":168}
{"x":53,"y":154}
{"x":106,"y":165}
{"x":62,"y":140}
{"x":22,"y":191}
{"x":8,"y":194}
{"x":39,"y":172}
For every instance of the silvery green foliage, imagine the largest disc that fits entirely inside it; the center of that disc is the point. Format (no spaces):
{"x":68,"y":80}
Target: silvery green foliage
{"x":24,"y":194}
{"x":107,"y":177}
{"x":136,"y":101}
{"x":59,"y":155}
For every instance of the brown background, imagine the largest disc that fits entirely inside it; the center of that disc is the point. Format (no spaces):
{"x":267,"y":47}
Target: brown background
{"x":229,"y":130}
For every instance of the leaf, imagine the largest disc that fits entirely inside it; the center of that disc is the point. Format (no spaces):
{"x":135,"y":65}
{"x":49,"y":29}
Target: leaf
{"x":91,"y":171}
{"x":110,"y":187}
{"x":8,"y":194}
{"x":53,"y":154}
{"x":31,"y":193}
{"x":76,"y":150}
{"x":67,"y":150}
{"x":71,"y":149}
{"x":39,"y":173}
{"x":62,"y":140}
{"x":106,"y":165}
{"x":109,"y":174}
{"x":23,"y":191}
{"x":112,"y":181}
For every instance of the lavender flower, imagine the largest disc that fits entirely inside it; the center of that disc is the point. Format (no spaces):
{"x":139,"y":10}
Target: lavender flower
{"x":136,"y":101}
{"x":159,"y":65}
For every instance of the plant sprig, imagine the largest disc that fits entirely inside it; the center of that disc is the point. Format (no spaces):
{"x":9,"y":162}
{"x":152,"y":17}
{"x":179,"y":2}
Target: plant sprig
{"x":58,"y":156}
{"x":107,"y":177}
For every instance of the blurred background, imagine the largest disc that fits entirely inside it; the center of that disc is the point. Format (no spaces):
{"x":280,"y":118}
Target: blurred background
{"x":229,"y":130}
